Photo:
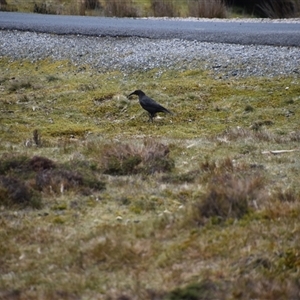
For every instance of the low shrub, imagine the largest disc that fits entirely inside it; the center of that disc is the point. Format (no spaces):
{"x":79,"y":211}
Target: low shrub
{"x":14,"y":192}
{"x":155,"y":158}
{"x":125,"y":159}
{"x":39,"y":174}
{"x":231,"y":190}
{"x":228,"y":196}
{"x":63,"y":178}
{"x":11,"y":163}
{"x":39,"y":163}
{"x":119,"y":159}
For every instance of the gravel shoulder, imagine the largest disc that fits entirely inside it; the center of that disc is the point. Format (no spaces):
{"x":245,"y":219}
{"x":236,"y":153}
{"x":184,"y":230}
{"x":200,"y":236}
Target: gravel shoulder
{"x":137,"y":54}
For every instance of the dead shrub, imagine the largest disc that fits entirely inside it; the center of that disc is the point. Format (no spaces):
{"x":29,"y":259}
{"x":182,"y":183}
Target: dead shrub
{"x":12,"y":164}
{"x":58,"y":180}
{"x":120,"y":159}
{"x":76,"y":176}
{"x":118,"y":8}
{"x":39,"y":163}
{"x":211,"y":169}
{"x":14,"y":192}
{"x":164,"y":8}
{"x":22,"y":166}
{"x":228,"y":196}
{"x":42,"y":174}
{"x":125,"y":159}
{"x":207,"y":8}
{"x":155,"y":158}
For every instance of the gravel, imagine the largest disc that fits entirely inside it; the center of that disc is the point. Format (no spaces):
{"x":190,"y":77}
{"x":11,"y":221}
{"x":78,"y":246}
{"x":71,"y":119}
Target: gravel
{"x":135,"y":54}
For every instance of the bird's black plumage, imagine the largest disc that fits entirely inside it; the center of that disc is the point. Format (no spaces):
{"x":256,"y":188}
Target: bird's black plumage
{"x":151,"y":106}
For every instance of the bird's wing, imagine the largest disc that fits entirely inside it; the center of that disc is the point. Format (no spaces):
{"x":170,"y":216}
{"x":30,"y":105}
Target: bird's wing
{"x":150,"y":105}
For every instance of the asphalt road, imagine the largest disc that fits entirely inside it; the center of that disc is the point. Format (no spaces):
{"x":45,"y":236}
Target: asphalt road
{"x":257,"y":33}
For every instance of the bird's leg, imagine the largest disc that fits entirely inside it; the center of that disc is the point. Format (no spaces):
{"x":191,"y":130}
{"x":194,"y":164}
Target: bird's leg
{"x":150,"y":118}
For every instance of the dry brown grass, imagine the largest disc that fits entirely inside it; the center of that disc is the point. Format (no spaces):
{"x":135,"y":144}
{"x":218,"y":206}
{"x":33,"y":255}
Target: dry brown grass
{"x":231,"y":189}
{"x":117,"y":8}
{"x":207,"y":8}
{"x":124,"y":159}
{"x":164,"y":8}
{"x":228,"y":196}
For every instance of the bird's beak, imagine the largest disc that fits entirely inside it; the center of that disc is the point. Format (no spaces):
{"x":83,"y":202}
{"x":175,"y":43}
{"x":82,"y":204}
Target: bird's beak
{"x":130,"y":95}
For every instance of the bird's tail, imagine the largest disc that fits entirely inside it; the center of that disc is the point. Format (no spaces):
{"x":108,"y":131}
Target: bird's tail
{"x":167,"y":111}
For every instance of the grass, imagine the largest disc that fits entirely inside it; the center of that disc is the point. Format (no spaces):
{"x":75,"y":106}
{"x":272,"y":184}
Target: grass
{"x":162,"y":8}
{"x":122,"y":8}
{"x":97,"y":203}
{"x":158,"y":8}
{"x":207,"y":9}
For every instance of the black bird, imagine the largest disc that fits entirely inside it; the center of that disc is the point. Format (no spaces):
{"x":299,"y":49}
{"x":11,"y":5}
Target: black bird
{"x":151,"y":106}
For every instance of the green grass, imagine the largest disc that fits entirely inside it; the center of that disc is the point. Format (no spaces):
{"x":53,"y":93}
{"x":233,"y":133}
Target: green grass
{"x":216,"y":218}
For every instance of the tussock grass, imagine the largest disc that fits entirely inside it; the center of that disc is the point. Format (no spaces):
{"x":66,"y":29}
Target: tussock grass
{"x":164,"y":8}
{"x":126,"y":159}
{"x":95,"y":202}
{"x":121,"y":9}
{"x":207,"y":9}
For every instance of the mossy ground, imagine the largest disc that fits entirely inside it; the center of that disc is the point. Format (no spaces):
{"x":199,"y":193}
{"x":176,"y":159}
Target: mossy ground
{"x":221,"y":221}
